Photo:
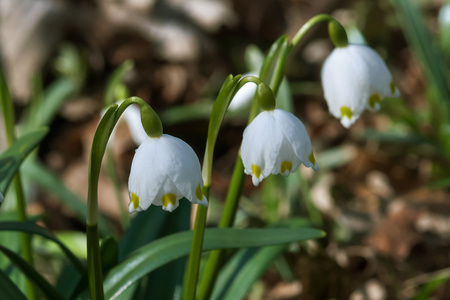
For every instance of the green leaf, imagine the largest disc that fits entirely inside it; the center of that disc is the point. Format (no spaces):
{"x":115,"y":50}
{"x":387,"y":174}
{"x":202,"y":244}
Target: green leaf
{"x":52,"y":99}
{"x":32,"y":274}
{"x":11,"y":159}
{"x":9,"y":289}
{"x":217,"y":114}
{"x":166,"y":249}
{"x":116,"y":81}
{"x":249,"y":272}
{"x":170,"y":275}
{"x":432,"y":60}
{"x":431,"y":286}
{"x":51,"y":183}
{"x":35,"y":229}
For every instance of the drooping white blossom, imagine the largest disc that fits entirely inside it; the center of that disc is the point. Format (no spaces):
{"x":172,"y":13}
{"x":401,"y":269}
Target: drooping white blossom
{"x":163,"y":171}
{"x":355,"y":78}
{"x":275,"y":142}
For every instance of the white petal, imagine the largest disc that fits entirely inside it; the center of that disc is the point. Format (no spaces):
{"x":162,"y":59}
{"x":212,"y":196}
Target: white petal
{"x":350,"y":76}
{"x":146,"y":175}
{"x":260,"y":145}
{"x":182,"y":167}
{"x":132,"y":116}
{"x":244,"y":96}
{"x":295,"y":133}
{"x":380,"y":77}
{"x":345,"y":81}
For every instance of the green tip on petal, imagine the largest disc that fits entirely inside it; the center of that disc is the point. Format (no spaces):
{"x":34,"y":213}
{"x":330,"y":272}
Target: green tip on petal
{"x":135,"y":200}
{"x":168,"y":199}
{"x":374,"y":99}
{"x":286,"y":166}
{"x":346,"y":112}
{"x":256,"y":171}
{"x":392,"y":86}
{"x":311,"y":158}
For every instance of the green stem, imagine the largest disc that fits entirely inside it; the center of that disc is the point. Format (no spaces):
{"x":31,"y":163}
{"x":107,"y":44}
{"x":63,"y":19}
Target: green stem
{"x":307,"y":26}
{"x":216,"y":256}
{"x":6,"y":106}
{"x":98,"y":149}
{"x":272,"y":72}
{"x":223,"y":100}
{"x":94,"y":263}
{"x":231,"y":204}
{"x":190,"y":284}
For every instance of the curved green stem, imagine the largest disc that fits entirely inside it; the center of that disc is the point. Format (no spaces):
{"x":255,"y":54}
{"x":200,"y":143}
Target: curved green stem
{"x":6,"y":106}
{"x":102,"y":134}
{"x":307,"y":26}
{"x":218,"y":113}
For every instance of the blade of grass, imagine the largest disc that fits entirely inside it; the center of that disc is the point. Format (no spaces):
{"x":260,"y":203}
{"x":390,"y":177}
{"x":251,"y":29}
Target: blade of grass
{"x":32,"y":275}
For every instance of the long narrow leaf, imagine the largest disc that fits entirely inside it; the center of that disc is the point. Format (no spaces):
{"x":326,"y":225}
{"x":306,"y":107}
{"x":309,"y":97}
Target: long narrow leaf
{"x":432,"y":63}
{"x":251,"y":271}
{"x":35,"y":229}
{"x":166,"y":249}
{"x":12,"y":158}
{"x":9,"y":289}
{"x":49,"y":182}
{"x":32,"y":275}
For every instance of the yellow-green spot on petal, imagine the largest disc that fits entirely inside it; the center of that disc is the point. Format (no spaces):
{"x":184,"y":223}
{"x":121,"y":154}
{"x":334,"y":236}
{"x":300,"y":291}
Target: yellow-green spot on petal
{"x":311,"y":158}
{"x":135,"y":200}
{"x":373,"y":100}
{"x":286,"y":166}
{"x":198,"y":192}
{"x":256,"y":171}
{"x":346,"y":112}
{"x":169,"y":198}
{"x":392,"y":86}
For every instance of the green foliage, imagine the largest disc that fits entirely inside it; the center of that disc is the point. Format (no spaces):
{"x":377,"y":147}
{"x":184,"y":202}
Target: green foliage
{"x":166,"y":249}
{"x":12,"y":158}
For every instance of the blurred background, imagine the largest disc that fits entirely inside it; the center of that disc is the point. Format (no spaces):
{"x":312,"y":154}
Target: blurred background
{"x":382,"y":193}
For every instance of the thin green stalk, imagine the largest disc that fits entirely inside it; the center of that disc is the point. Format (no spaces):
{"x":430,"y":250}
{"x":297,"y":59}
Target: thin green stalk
{"x":307,"y":26}
{"x":6,"y":106}
{"x":190,"y":284}
{"x":272,"y":72}
{"x":98,"y":149}
{"x":216,"y":256}
{"x":94,"y":263}
{"x":218,"y":113}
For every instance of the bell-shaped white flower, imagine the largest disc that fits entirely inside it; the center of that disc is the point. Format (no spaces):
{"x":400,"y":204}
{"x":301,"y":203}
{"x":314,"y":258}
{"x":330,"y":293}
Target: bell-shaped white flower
{"x":164,"y":170}
{"x":275,"y":142}
{"x":355,"y":78}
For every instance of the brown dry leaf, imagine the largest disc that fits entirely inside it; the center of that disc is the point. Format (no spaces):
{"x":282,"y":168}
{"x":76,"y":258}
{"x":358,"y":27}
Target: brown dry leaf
{"x":396,"y":235}
{"x":286,"y":290}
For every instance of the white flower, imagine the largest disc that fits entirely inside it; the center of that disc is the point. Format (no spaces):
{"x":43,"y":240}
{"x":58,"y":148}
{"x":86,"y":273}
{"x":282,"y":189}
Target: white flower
{"x":243,"y":98}
{"x":355,"y":78}
{"x":132,"y":116}
{"x":275,"y":142}
{"x":163,"y":171}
